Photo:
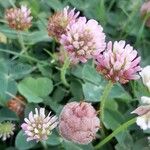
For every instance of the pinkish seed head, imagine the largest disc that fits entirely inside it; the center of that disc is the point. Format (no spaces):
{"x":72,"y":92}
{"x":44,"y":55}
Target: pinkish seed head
{"x":78,"y":122}
{"x":58,"y":23}
{"x":119,"y":62}
{"x":19,"y":18}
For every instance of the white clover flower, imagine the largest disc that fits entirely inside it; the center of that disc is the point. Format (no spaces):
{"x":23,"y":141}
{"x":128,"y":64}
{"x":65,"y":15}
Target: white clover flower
{"x":145,"y":100}
{"x":145,"y":74}
{"x":38,"y":126}
{"x":143,"y":120}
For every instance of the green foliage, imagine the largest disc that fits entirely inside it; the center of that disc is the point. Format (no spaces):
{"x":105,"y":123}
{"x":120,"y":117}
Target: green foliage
{"x":6,"y":114}
{"x":35,"y":89}
{"x":54,"y":139}
{"x":35,"y":73}
{"x":21,"y":142}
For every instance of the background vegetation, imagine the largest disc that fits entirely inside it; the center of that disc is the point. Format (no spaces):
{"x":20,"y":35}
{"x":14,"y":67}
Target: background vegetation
{"x":35,"y":73}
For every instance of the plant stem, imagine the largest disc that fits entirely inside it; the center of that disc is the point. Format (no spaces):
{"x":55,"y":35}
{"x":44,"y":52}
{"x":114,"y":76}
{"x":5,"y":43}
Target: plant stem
{"x":23,"y":48}
{"x":44,"y":145}
{"x":113,"y":134}
{"x":24,"y":56}
{"x":63,"y":72}
{"x":102,"y":11}
{"x":103,"y":99}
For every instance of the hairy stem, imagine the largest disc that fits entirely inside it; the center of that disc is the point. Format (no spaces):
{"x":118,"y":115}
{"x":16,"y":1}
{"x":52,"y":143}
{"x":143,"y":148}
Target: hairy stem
{"x":63,"y":72}
{"x":103,"y":99}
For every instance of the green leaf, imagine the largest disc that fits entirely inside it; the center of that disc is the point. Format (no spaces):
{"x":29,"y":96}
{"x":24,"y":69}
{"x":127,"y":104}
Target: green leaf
{"x":54,"y":105}
{"x":54,"y":139}
{"x":55,"y":4}
{"x":6,"y":114}
{"x":58,"y":94}
{"x":37,"y":36}
{"x":90,"y":74}
{"x":19,"y":70}
{"x":87,"y":73}
{"x":45,"y":71}
{"x":35,"y":89}
{"x":114,"y":119}
{"x":12,"y":34}
{"x":87,"y":147}
{"x":3,"y":66}
{"x":21,"y":143}
{"x":92,"y":92}
{"x":79,"y":4}
{"x":141,"y":144}
{"x":30,"y":107}
{"x":119,"y":92}
{"x":76,"y":89}
{"x":29,"y":38}
{"x":71,"y":146}
{"x":7,"y":87}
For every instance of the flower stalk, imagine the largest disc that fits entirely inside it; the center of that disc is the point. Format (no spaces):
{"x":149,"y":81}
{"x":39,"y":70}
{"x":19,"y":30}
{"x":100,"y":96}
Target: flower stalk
{"x":103,"y":99}
{"x":63,"y":71}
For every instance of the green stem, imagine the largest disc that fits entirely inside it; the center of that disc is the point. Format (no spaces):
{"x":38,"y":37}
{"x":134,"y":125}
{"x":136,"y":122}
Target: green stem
{"x":24,"y":56}
{"x":23,"y":48}
{"x":113,"y":134}
{"x":102,"y":11}
{"x":103,"y":99}
{"x":63,"y":72}
{"x":44,"y":145}
{"x":21,"y":41}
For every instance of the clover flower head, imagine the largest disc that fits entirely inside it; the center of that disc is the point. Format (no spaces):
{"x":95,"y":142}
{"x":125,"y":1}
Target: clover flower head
{"x":145,"y":74}
{"x":119,"y":62}
{"x":83,"y":40}
{"x":78,"y":122}
{"x":6,"y":130}
{"x":39,"y":126}
{"x":19,"y":18}
{"x":143,"y":112}
{"x":145,"y":100}
{"x":58,"y":23}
